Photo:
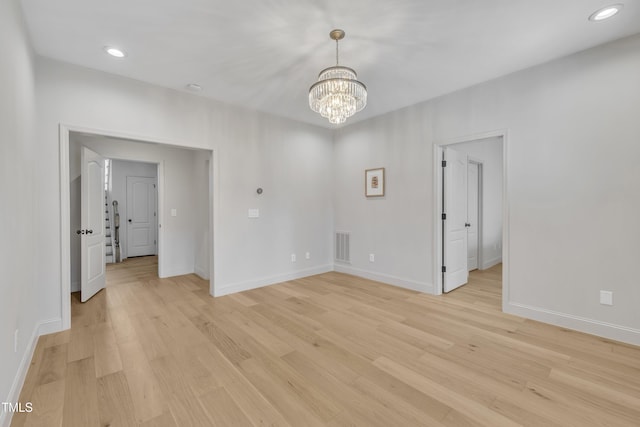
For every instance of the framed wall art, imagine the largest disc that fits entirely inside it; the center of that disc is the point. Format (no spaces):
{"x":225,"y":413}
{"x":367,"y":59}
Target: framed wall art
{"x":374,"y":182}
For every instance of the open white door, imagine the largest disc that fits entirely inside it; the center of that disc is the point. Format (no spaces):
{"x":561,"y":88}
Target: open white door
{"x":455,"y":273}
{"x":92,"y":220}
{"x":141,"y":216}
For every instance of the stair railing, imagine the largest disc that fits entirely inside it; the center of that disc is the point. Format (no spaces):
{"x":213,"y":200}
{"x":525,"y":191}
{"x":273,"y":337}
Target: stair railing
{"x":116,"y":232}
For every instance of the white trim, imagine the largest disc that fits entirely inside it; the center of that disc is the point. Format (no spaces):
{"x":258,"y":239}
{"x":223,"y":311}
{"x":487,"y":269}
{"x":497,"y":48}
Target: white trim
{"x":437,"y":206}
{"x":65,"y":242}
{"x":201,"y":273}
{"x":213,"y":218}
{"x":50,"y":326}
{"x":42,"y":328}
{"x":272,"y":280}
{"x":386,"y":278}
{"x":490,"y":263}
{"x":480,"y":194}
{"x":160,"y":219}
{"x":437,"y":218}
{"x":577,"y":323}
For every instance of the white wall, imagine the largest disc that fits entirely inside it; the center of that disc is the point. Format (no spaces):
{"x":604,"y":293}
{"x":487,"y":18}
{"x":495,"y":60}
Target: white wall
{"x":19,"y":291}
{"x":572,"y":185}
{"x":396,"y":227}
{"x":489,"y":152}
{"x":289,"y":160}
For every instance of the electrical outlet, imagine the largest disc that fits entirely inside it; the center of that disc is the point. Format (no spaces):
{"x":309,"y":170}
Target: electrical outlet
{"x":307,"y":255}
{"x":372,"y":258}
{"x":293,"y":257}
{"x":606,"y":297}
{"x":15,"y":341}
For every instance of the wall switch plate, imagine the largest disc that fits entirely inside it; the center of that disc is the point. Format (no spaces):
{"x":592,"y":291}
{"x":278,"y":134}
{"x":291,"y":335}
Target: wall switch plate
{"x":253,"y":213}
{"x":174,"y":212}
{"x":606,"y":297}
{"x":307,"y":255}
{"x":372,"y":258}
{"x":293,"y":257}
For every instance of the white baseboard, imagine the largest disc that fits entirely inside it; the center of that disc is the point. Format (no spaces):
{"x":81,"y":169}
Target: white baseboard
{"x":490,"y":263}
{"x":577,"y":323}
{"x":42,"y":328}
{"x":202,"y":273}
{"x":266,"y":281}
{"x":166,"y":273}
{"x":386,"y":278}
{"x":49,"y":326}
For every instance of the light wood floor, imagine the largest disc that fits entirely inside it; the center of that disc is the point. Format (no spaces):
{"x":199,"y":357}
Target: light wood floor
{"x":329,"y":350}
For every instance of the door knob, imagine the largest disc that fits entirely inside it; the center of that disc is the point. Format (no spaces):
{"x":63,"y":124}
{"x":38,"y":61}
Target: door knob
{"x":129,"y":220}
{"x":89,"y":231}
{"x":466,"y":224}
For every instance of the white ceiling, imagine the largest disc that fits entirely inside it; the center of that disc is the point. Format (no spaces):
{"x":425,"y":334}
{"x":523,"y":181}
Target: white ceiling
{"x":264,"y":54}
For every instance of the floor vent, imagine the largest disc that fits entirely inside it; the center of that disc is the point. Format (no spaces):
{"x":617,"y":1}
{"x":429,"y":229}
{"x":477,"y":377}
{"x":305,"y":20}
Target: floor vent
{"x":343,"y":246}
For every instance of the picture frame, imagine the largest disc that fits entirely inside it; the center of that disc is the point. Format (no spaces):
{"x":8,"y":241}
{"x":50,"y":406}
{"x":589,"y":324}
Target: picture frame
{"x":374,"y":182}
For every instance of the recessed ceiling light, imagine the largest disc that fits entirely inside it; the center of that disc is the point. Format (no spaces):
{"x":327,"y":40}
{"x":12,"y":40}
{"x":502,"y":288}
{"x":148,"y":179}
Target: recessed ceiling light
{"x":605,"y":12}
{"x":115,"y":52}
{"x":194,"y":87}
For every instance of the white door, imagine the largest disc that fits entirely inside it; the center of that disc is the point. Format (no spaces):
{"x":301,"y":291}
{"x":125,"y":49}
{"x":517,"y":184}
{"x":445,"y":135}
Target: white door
{"x":455,"y":209}
{"x":141,"y":216}
{"x":92,"y":229}
{"x":473,"y":215}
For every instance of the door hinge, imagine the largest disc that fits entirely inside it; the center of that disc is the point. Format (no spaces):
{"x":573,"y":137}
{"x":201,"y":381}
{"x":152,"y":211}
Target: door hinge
{"x":154,"y":186}
{"x":444,"y":163}
{"x":444,"y":269}
{"x":444,"y":216}
{"x":154,"y":242}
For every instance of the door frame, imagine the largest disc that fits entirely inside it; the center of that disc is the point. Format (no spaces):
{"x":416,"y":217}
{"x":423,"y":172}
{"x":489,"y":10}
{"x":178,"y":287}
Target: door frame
{"x":438,"y":149}
{"x":65,"y":209}
{"x":480,"y":165}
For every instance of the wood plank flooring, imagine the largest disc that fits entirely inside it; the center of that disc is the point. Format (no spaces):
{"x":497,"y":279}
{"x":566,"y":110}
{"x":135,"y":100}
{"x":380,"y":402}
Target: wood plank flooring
{"x":329,"y":350}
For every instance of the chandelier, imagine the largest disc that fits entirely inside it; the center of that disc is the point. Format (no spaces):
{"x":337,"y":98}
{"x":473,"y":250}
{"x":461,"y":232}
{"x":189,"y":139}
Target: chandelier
{"x":337,"y":95}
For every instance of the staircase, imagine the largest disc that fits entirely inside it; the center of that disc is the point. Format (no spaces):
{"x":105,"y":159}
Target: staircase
{"x":109,"y":252}
{"x":111,"y":220}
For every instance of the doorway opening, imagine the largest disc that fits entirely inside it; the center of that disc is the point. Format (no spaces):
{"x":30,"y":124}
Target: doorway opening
{"x":471,"y":218}
{"x":180,"y":238}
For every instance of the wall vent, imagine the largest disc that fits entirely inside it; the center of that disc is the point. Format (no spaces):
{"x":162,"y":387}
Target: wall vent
{"x":343,"y":246}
